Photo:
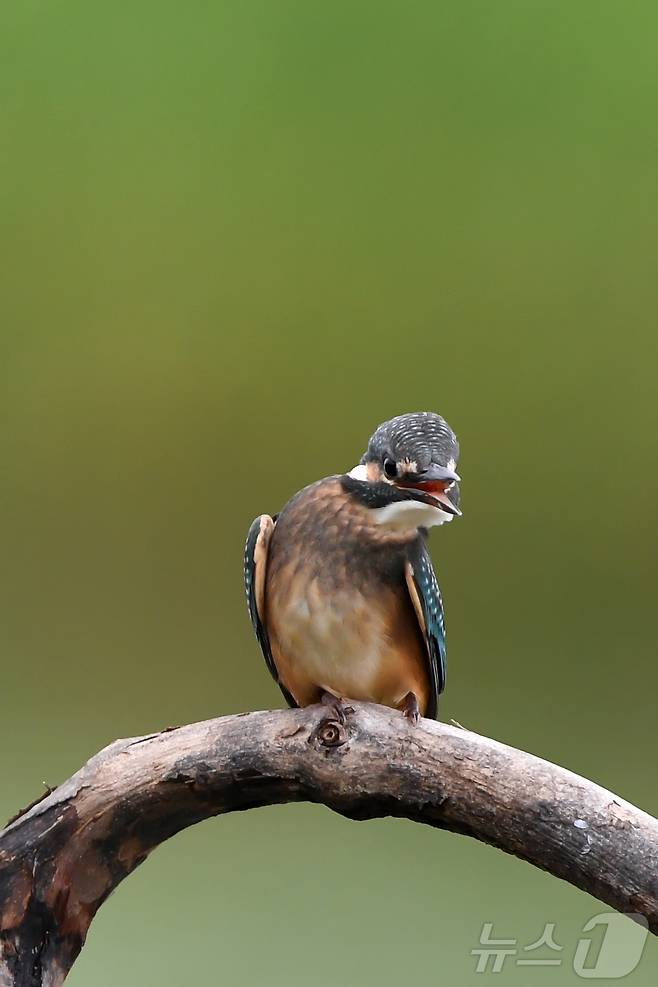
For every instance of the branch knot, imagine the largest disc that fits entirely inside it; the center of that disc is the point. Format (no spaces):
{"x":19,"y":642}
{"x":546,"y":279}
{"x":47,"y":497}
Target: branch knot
{"x":329,"y":734}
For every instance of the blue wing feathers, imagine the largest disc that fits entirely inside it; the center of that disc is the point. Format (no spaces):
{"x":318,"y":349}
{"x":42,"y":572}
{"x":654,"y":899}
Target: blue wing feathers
{"x":435,"y":631}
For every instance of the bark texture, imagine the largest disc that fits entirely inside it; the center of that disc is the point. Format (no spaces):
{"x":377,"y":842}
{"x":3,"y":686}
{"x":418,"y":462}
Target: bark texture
{"x":61,"y":858}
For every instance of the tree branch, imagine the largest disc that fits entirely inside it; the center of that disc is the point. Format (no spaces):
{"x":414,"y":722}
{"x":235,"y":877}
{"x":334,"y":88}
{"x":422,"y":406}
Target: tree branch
{"x":63,"y":856}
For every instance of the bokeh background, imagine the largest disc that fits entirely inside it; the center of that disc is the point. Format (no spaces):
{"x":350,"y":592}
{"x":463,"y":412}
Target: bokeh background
{"x":235,"y":237}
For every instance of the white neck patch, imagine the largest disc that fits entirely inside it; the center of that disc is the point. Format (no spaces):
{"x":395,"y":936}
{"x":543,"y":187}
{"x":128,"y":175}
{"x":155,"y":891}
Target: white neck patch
{"x":405,"y":515}
{"x":359,"y":472}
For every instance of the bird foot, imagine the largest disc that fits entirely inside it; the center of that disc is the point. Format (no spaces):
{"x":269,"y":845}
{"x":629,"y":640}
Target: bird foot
{"x":411,"y":709}
{"x":336,"y":706}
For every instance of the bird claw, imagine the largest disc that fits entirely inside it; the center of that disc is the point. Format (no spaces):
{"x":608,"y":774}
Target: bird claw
{"x":411,"y":709}
{"x":336,"y":707}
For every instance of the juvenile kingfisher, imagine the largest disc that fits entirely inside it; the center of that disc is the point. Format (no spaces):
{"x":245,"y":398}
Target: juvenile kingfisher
{"x":340,"y":586}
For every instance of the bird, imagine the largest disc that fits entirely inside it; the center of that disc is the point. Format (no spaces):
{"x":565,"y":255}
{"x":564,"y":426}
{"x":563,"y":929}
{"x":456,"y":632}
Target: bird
{"x":341,"y":590}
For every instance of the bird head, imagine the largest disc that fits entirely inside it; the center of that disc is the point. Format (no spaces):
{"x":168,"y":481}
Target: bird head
{"x":417,"y":453}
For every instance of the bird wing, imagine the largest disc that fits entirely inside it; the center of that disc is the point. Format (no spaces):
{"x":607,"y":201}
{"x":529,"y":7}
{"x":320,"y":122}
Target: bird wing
{"x":255,"y":569}
{"x":426,"y":598}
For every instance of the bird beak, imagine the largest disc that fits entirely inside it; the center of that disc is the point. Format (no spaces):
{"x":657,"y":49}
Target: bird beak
{"x":436,"y":472}
{"x":440,"y":483}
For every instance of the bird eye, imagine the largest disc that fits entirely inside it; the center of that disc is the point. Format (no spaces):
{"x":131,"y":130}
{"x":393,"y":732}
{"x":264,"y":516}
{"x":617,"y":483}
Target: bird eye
{"x":390,"y":469}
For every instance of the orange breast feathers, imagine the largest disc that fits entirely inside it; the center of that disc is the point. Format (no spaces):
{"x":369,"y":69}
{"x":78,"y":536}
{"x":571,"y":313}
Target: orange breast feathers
{"x":338,"y":611}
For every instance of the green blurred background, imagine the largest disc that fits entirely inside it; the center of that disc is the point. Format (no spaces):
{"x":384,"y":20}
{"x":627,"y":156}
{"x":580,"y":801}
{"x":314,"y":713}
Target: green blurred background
{"x":235,"y":237}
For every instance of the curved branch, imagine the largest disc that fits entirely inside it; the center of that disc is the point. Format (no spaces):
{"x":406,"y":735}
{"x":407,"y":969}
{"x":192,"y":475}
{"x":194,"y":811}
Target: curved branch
{"x":62,"y":857}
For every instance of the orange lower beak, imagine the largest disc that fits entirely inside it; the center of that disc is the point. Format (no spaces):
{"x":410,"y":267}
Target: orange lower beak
{"x":437,"y":489}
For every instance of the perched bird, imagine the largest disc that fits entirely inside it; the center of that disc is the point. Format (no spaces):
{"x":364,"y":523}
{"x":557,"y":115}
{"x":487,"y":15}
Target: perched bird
{"x":340,"y":586}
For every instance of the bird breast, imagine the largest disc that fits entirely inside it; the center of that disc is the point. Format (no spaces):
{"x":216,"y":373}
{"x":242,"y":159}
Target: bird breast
{"x":337,"y":609}
{"x":336,"y":639}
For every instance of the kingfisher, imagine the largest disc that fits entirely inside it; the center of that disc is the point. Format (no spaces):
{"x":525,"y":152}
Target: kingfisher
{"x":341,"y":590}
